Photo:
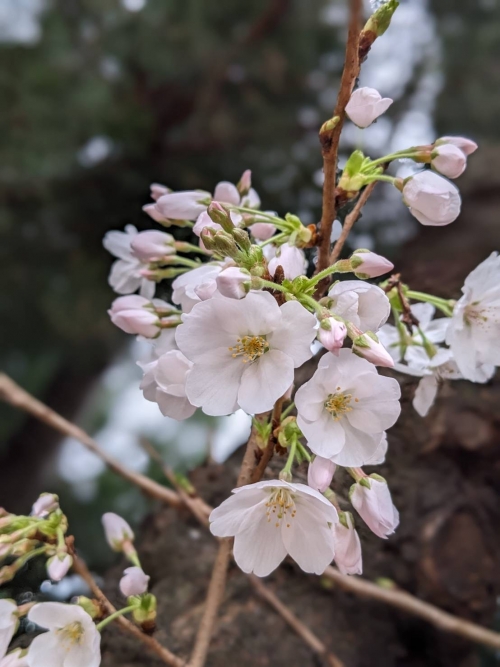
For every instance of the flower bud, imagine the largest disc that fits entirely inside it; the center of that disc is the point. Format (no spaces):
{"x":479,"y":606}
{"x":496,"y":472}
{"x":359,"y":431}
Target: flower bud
{"x":467,"y":146}
{"x":262,"y":230}
{"x":16,"y":658}
{"x":320,"y":473}
{"x":233,"y":282}
{"x":203,"y":221}
{"x":292,"y":260}
{"x":431,"y":199}
{"x":92,"y":607}
{"x":134,"y":582}
{"x":368,"y":264}
{"x":366,"y":105}
{"x":153,"y":211}
{"x":331,"y":334}
{"x":116,"y":530}
{"x":152,"y":245}
{"x":224,"y":244}
{"x":207,"y":239}
{"x":145,"y":613}
{"x":380,"y":20}
{"x":45,"y":505}
{"x":135,"y":315}
{"x":348,"y":556}
{"x":185,"y":205}
{"x":242,"y":239}
{"x":448,"y":160}
{"x":372,"y":500}
{"x":157,"y":190}
{"x":245,"y":183}
{"x":58,"y":566}
{"x":220,"y":215}
{"x":368,"y":347}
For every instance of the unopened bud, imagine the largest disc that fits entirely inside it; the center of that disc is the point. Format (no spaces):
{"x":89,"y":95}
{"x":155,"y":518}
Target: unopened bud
{"x":245,"y":183}
{"x":92,"y":607}
{"x":233,"y":282}
{"x":224,"y":244}
{"x":331,"y":334}
{"x":242,"y":238}
{"x":207,"y":237}
{"x":368,"y":264}
{"x":134,"y":582}
{"x":117,"y":531}
{"x":45,"y":505}
{"x":467,"y":146}
{"x":146,"y":610}
{"x":320,"y":473}
{"x":221,"y":216}
{"x":368,"y":347}
{"x":152,"y":245}
{"x":380,"y":20}
{"x":448,"y":160}
{"x":58,"y":566}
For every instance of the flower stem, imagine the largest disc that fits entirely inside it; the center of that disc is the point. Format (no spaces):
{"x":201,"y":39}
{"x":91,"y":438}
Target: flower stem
{"x":444,"y":305}
{"x":286,"y":412}
{"x":110,"y":619}
{"x":392,"y":156}
{"x":273,"y":239}
{"x":273,"y":286}
{"x":325,"y":273}
{"x":304,"y":452}
{"x":272,"y":218}
{"x":291,"y":456}
{"x":380,"y":177}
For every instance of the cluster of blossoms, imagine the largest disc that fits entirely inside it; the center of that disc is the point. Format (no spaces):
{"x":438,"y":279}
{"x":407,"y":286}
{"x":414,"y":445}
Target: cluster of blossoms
{"x":73,"y":631}
{"x":255,"y":310}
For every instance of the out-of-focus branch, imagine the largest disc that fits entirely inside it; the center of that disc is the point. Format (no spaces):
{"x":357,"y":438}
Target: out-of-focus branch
{"x":350,"y":220}
{"x":154,"y":646}
{"x":330,"y":133}
{"x":294,"y":622}
{"x":13,"y":394}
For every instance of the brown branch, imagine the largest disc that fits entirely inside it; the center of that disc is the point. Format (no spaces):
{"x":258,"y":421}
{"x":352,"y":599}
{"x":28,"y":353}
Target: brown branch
{"x":154,"y":646}
{"x":350,"y":220}
{"x":412,"y":605}
{"x":271,"y":443}
{"x":294,"y":622}
{"x":13,"y":394}
{"x":329,"y":137}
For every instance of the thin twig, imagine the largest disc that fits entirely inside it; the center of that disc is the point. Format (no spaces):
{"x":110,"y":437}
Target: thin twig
{"x":357,"y":585}
{"x":154,"y":646}
{"x":330,"y":137}
{"x":412,"y":605}
{"x":271,"y":443}
{"x":12,"y":393}
{"x":294,"y":622}
{"x":350,"y":220}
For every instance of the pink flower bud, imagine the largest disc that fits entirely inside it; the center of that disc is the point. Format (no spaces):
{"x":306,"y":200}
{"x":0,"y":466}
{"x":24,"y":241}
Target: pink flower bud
{"x":448,"y":160}
{"x":135,"y":315}
{"x":116,"y":530}
{"x":17,"y":658}
{"x":348,"y":556}
{"x":467,"y":146}
{"x":185,"y":205}
{"x":366,"y":105}
{"x":157,"y":190}
{"x":204,"y":220}
{"x":375,"y":506}
{"x":231,"y":282}
{"x":368,"y":264}
{"x":331,"y":334}
{"x":153,"y":211}
{"x":58,"y":566}
{"x":152,"y":245}
{"x":432,"y":199}
{"x":262,"y":230}
{"x":320,"y":473}
{"x":45,"y":505}
{"x":370,"y":349}
{"x":134,"y":582}
{"x":245,"y":182}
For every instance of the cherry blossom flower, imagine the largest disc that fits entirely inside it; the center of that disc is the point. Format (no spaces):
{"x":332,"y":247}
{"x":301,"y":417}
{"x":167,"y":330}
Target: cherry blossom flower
{"x":368,"y":264}
{"x":292,"y":260}
{"x":134,"y":582}
{"x":152,"y":245}
{"x":274,"y":518}
{"x":366,"y":105}
{"x":58,"y":566}
{"x":231,"y":282}
{"x":448,"y":160}
{"x":8,"y":624}
{"x":474,"y":331}
{"x":348,"y":556}
{"x":345,"y":408}
{"x":467,"y":146}
{"x":331,"y":334}
{"x":188,"y":286}
{"x":72,"y":639}
{"x":116,"y":530}
{"x":431,"y":198}
{"x":17,"y":658}
{"x":363,"y":305}
{"x":126,"y":273}
{"x":320,"y":473}
{"x":372,"y":500}
{"x":369,"y":347}
{"x":170,"y":375}
{"x":243,"y":351}
{"x":45,"y":505}
{"x":157,"y":190}
{"x":161,"y":345}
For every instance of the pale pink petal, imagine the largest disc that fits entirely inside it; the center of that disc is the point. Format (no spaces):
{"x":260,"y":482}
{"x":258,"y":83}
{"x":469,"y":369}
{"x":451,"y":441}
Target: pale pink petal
{"x":294,"y":333}
{"x":264,"y":381}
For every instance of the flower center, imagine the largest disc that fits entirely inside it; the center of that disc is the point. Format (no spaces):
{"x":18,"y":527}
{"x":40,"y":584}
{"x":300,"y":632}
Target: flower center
{"x":280,"y":505}
{"x":72,"y":633}
{"x":474,"y":314}
{"x":250,"y":348}
{"x":339,"y":403}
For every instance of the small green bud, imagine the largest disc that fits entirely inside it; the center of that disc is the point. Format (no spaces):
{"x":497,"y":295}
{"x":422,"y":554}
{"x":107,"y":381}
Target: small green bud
{"x":92,"y":607}
{"x":329,"y":125}
{"x":242,"y":238}
{"x":221,"y":216}
{"x":380,"y":20}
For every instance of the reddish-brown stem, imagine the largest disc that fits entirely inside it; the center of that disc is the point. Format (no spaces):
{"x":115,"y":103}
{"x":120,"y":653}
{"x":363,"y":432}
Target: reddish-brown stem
{"x":350,"y":220}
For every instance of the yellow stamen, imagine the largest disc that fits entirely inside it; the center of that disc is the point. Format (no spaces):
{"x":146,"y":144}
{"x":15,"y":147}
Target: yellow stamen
{"x":338,"y":404}
{"x":72,"y":633}
{"x":282,"y":500}
{"x":250,"y":348}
